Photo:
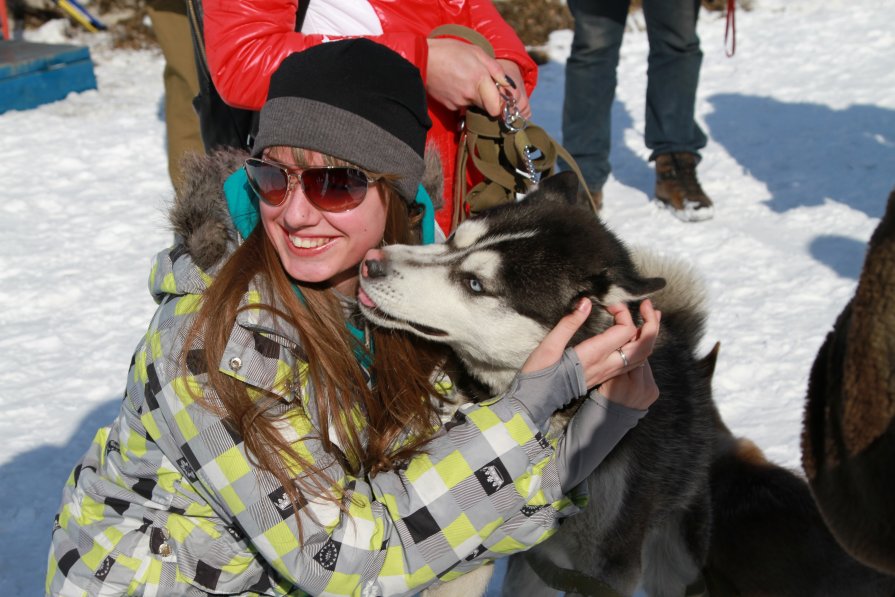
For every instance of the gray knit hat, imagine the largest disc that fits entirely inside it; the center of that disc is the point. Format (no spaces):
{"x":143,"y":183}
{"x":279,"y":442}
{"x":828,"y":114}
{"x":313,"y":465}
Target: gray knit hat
{"x":353,"y":99}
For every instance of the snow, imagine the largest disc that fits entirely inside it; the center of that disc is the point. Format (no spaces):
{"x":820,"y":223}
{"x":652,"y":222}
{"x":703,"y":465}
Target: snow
{"x":800,"y":160}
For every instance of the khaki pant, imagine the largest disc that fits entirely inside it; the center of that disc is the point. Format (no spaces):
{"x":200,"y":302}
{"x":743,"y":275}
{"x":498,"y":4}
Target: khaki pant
{"x":171,"y":26}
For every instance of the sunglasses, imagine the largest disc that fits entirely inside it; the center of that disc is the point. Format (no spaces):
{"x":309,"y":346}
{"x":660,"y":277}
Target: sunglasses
{"x":328,"y":188}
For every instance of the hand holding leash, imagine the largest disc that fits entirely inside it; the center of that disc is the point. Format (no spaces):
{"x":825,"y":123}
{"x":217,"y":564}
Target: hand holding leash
{"x":461,"y":74}
{"x":514,"y":78}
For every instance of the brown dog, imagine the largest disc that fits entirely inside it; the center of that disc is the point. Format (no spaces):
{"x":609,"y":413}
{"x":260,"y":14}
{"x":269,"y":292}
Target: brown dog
{"x":848,"y":438}
{"x":768,"y":537}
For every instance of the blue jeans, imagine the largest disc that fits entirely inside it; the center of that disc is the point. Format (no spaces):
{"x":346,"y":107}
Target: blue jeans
{"x":672,"y":76}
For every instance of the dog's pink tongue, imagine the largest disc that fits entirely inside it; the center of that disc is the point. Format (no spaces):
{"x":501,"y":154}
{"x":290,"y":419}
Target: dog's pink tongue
{"x":365,"y":299}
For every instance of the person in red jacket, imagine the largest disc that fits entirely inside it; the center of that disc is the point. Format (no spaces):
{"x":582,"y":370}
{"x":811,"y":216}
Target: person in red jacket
{"x":245,"y":42}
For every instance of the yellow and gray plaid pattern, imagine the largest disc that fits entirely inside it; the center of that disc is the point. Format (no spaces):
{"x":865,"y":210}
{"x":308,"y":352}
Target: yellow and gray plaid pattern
{"x":167,"y":502}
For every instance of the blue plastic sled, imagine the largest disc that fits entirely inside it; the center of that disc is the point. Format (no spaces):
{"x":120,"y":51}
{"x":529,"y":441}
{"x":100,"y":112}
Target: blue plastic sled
{"x":32,"y":74}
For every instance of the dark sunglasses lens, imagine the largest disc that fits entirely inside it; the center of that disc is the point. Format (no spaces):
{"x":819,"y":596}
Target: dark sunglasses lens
{"x":335,"y":189}
{"x":269,"y":181}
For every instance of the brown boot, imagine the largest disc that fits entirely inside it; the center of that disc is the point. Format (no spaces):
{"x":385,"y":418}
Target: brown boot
{"x":678,"y":189}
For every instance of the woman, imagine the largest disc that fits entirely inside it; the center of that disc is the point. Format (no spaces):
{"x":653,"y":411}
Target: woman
{"x":269,"y":443}
{"x":245,"y":41}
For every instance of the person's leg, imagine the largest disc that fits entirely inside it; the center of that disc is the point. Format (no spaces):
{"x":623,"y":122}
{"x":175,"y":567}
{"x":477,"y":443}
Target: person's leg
{"x":672,"y":77}
{"x":671,"y":130}
{"x":590,"y":85}
{"x":171,"y":26}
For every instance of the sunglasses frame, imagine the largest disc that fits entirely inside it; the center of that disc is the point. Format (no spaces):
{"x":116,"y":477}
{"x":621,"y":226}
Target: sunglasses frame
{"x":295,"y":175}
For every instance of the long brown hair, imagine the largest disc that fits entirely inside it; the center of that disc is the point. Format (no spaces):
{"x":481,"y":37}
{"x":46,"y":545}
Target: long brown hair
{"x":399,"y":415}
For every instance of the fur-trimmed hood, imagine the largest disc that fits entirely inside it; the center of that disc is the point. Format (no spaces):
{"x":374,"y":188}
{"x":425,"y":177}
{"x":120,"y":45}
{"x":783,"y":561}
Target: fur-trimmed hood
{"x":199,"y":215}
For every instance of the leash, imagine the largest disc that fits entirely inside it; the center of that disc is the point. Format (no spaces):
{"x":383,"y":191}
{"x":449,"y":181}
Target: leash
{"x":511,"y":153}
{"x":730,"y":27}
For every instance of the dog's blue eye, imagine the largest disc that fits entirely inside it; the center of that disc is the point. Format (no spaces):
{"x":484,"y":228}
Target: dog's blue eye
{"x":474,"y":285}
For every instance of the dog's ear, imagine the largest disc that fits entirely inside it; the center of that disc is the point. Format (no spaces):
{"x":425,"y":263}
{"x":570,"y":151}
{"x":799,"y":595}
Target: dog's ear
{"x":562,"y":186}
{"x":623,"y":287}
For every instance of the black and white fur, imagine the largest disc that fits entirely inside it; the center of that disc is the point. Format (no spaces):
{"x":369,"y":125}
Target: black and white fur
{"x":491,"y":293}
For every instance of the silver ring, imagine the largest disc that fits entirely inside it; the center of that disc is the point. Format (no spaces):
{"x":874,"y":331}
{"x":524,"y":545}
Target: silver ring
{"x":622,"y":355}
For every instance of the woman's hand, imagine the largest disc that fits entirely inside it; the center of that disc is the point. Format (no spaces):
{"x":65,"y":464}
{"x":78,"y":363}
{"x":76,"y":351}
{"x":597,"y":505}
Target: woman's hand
{"x":460,"y":74}
{"x":628,"y":382}
{"x":599,"y":355}
{"x":517,"y":87}
{"x":635,"y":389}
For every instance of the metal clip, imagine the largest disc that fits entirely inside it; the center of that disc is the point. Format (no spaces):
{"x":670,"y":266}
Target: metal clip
{"x":512,"y":118}
{"x":515,"y":123}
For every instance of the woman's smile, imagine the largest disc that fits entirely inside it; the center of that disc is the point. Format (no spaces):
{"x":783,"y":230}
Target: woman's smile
{"x":309,"y":242}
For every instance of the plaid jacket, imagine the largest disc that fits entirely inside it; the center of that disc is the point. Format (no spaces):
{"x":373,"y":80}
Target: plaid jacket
{"x":167,"y":502}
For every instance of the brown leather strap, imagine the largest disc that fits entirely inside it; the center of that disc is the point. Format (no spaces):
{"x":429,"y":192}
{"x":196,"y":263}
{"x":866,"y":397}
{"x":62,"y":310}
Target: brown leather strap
{"x":496,"y":152}
{"x":464,"y":33}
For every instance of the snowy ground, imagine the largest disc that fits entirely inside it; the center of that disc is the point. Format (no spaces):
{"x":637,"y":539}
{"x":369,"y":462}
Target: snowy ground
{"x":800,"y":161}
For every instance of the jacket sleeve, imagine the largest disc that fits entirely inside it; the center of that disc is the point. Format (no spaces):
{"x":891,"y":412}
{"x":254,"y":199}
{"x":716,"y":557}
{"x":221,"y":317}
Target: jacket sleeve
{"x":246,"y":41}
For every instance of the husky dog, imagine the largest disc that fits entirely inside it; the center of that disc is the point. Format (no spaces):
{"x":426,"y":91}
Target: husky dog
{"x":491,"y":293}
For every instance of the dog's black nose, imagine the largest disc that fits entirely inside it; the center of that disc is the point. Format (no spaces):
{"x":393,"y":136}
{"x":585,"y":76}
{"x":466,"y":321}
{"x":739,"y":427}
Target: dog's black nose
{"x":374,"y":268}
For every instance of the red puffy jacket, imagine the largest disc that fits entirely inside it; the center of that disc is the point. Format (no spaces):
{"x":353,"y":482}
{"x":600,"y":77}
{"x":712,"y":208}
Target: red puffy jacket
{"x":247,"y":39}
